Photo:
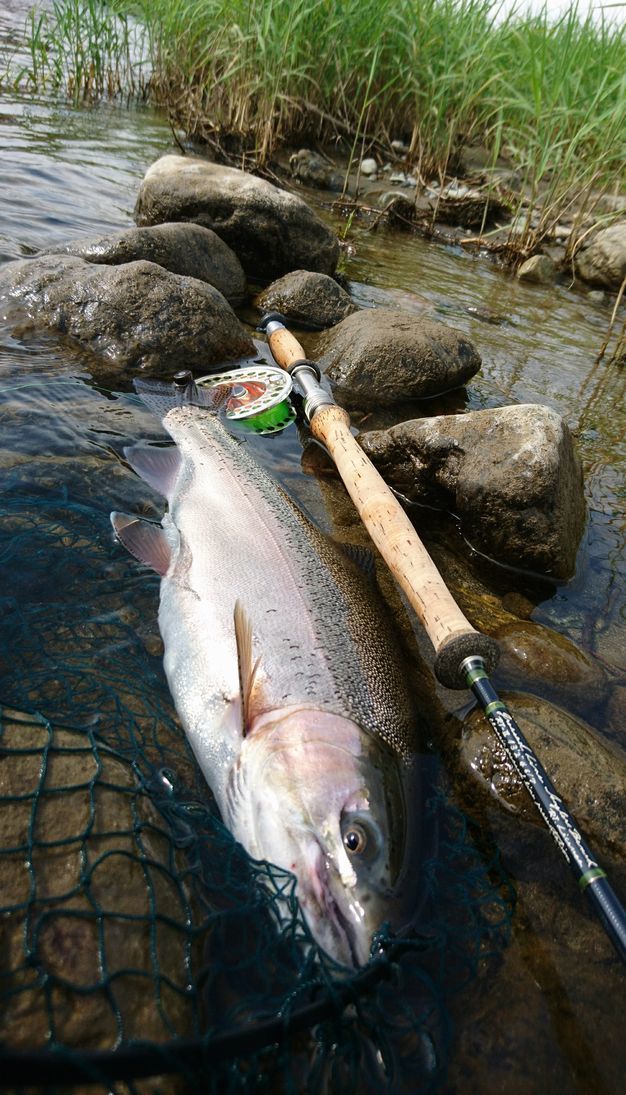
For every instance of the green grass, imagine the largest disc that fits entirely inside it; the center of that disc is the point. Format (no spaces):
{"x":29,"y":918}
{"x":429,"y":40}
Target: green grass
{"x":251,"y":75}
{"x":85,"y":49}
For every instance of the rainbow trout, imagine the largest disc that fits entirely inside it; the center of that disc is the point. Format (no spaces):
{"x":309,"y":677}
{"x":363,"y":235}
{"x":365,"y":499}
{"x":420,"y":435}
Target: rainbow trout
{"x":285,"y":675}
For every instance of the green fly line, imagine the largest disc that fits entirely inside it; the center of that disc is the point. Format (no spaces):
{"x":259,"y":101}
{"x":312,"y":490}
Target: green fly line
{"x":137,"y":939}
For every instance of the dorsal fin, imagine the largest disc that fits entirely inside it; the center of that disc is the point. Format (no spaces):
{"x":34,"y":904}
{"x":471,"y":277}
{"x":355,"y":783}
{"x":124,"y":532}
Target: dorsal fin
{"x":147,"y":542}
{"x":158,"y":467}
{"x":247,"y":667}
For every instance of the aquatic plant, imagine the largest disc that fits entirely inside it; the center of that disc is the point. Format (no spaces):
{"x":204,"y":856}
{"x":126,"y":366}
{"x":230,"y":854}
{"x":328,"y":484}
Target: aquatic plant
{"x":247,"y":78}
{"x":85,"y":48}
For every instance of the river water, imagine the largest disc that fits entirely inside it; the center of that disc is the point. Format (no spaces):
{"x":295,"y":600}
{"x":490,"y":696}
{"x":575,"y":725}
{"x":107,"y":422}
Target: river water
{"x":67,"y":172}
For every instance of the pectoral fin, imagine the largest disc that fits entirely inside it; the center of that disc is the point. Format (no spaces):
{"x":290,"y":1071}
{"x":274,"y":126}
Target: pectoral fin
{"x":158,"y":467}
{"x":147,"y":542}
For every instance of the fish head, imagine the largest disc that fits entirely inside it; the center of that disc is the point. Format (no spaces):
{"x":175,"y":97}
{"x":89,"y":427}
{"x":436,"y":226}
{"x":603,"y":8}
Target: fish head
{"x":328,"y":802}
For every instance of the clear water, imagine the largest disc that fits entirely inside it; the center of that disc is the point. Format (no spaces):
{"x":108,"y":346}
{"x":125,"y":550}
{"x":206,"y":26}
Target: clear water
{"x":544,"y":351}
{"x":68,"y":172}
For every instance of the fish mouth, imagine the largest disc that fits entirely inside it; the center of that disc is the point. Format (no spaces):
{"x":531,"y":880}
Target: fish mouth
{"x":337,"y":933}
{"x":346,"y":930}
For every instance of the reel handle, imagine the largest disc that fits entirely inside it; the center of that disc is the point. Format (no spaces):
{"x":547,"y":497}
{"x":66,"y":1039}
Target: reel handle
{"x":451,"y":634}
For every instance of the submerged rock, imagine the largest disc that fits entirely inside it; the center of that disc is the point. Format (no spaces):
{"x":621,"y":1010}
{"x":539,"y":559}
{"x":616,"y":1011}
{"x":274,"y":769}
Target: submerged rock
{"x":384,"y":356}
{"x":137,"y":315}
{"x":563,"y":671}
{"x":615,"y":707}
{"x":270,"y":230}
{"x":185,"y":249}
{"x":558,"y":944}
{"x":314,"y":298}
{"x":590,"y":774}
{"x":510,"y":474}
{"x":603,"y":262}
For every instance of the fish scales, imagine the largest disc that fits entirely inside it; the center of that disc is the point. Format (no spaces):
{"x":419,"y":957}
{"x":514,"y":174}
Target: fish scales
{"x":322,"y":637}
{"x":287,"y":679}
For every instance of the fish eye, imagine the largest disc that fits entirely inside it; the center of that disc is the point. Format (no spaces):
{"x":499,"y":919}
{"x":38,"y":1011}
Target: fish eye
{"x":355,"y":839}
{"x":359,"y":838}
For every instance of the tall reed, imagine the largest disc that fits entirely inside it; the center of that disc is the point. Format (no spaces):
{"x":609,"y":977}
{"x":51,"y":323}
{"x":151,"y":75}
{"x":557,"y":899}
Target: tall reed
{"x":87,"y":48}
{"x":249,"y":76}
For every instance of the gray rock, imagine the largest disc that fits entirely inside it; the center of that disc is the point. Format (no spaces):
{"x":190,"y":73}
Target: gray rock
{"x":369,"y":166}
{"x":400,"y":209}
{"x":185,"y":249}
{"x":313,"y":170}
{"x":315,"y":298}
{"x":270,"y":230}
{"x":563,"y":672}
{"x":135,"y":316}
{"x":539,"y":269}
{"x":589,"y":772}
{"x":510,"y":474}
{"x":385,"y":356}
{"x":403,"y":178}
{"x":603,"y":262}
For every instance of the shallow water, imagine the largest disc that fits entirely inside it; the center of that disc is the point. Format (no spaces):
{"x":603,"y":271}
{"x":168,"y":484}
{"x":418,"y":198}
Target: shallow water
{"x":543,"y":351}
{"x":68,"y":172}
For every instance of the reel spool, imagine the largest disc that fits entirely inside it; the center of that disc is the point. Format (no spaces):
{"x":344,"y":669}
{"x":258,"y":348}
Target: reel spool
{"x":259,"y":399}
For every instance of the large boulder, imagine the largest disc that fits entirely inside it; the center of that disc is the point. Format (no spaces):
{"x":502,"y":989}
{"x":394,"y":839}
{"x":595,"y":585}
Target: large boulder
{"x":314,"y":298}
{"x":186,"y":249}
{"x":136,"y":316}
{"x":383,"y":356}
{"x":603,"y":262}
{"x":270,"y":230}
{"x":511,"y":474}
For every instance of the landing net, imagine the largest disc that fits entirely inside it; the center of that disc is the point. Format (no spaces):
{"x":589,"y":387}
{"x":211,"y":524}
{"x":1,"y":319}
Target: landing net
{"x":140,"y":948}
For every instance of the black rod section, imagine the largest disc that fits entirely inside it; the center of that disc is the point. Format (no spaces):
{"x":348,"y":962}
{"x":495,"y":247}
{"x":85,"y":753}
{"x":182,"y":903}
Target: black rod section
{"x":590,"y":876}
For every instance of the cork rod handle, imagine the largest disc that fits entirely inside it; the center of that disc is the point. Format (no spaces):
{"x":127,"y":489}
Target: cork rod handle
{"x":451,"y":634}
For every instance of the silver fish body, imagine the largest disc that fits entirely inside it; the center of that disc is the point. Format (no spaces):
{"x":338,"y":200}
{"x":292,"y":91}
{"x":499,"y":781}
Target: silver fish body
{"x":286,"y":678}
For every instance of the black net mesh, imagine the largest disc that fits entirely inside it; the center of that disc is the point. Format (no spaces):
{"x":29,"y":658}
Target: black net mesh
{"x":137,"y":939}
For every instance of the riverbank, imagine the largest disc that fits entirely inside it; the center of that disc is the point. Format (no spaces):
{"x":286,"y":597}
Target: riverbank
{"x":545,"y":98}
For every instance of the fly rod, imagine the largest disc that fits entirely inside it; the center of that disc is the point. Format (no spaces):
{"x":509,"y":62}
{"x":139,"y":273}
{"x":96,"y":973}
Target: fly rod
{"x":463,"y":656}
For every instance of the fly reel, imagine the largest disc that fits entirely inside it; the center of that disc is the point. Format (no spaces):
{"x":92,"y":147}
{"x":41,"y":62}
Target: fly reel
{"x":258,"y":397}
